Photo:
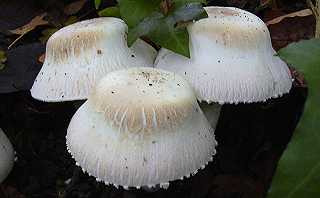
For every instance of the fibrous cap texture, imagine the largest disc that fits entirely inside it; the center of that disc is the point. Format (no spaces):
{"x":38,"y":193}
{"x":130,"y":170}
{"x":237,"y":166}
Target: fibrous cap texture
{"x":6,"y":156}
{"x":141,"y":127}
{"x":232,"y":59}
{"x":79,"y":55}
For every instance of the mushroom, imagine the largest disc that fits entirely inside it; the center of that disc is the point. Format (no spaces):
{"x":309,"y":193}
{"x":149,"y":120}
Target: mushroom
{"x":6,"y":156}
{"x":141,"y":127}
{"x":79,"y":55}
{"x":232,"y":59}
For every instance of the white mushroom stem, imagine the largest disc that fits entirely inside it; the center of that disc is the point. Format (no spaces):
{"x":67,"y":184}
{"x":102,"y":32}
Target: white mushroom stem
{"x":6,"y":156}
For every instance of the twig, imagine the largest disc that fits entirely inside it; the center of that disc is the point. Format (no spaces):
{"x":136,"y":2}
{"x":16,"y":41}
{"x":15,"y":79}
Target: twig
{"x":16,"y":40}
{"x":316,"y":12}
{"x":312,"y":7}
{"x":317,"y":35}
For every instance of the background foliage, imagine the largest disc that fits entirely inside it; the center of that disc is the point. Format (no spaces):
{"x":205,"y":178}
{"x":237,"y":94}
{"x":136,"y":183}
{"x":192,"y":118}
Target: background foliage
{"x":162,"y":21}
{"x":298,"y":173}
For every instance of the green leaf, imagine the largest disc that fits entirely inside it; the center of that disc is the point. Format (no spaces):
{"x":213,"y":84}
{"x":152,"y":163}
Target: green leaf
{"x":110,"y":12}
{"x":97,"y":3}
{"x":3,"y":59}
{"x":167,"y":31}
{"x":162,"y":31}
{"x":173,"y":38}
{"x":134,"y":11}
{"x":146,"y":26}
{"x":298,"y":173}
{"x":189,"y":12}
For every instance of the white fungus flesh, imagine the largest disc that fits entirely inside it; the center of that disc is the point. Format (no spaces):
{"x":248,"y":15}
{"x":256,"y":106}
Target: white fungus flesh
{"x":232,"y":59}
{"x":6,"y":156}
{"x":141,"y":127}
{"x":79,"y":55}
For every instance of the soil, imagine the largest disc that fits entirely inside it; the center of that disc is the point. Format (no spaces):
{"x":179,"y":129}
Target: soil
{"x":251,"y":137}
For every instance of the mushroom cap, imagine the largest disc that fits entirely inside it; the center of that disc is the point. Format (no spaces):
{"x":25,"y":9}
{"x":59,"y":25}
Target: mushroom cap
{"x":232,"y":59}
{"x":6,"y":156}
{"x":79,"y":55}
{"x":141,"y":127}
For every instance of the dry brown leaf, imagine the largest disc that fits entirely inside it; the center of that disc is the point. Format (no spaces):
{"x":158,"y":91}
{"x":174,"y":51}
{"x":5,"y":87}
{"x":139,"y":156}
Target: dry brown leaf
{"x":41,"y":58}
{"x":3,"y":59}
{"x":265,"y":2}
{"x":35,"y":22}
{"x":269,"y":3}
{"x":74,"y":7}
{"x":301,"y":13}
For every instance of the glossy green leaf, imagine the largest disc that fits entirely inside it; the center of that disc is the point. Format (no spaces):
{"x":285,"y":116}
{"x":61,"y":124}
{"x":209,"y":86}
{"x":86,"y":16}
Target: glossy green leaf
{"x":97,"y":3}
{"x":134,"y":11}
{"x":146,"y":26}
{"x":170,"y":37}
{"x":298,"y":173}
{"x":166,"y":31}
{"x":110,"y":12}
{"x":3,"y":59}
{"x":189,"y":12}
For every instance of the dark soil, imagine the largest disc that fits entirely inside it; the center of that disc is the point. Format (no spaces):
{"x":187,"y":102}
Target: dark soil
{"x":251,"y":139}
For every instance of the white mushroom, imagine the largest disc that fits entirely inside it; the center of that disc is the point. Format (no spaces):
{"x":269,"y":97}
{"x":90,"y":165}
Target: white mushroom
{"x":6,"y":156}
{"x":141,"y":127}
{"x":232,"y":59}
{"x":79,"y":55}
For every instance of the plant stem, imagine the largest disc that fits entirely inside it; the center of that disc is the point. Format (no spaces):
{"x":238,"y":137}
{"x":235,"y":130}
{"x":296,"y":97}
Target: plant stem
{"x":316,"y":12}
{"x":317,"y":35}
